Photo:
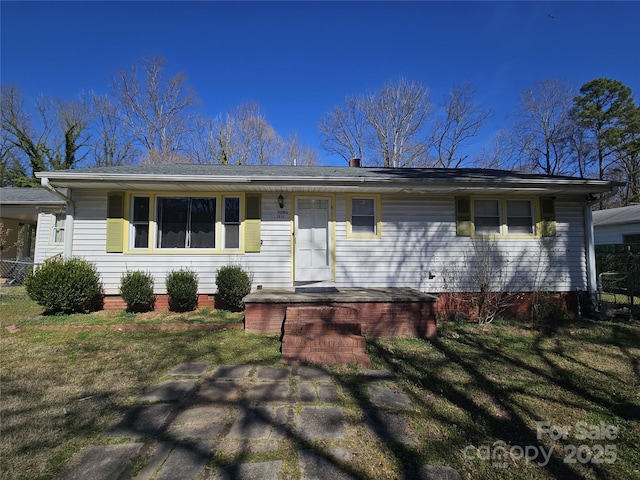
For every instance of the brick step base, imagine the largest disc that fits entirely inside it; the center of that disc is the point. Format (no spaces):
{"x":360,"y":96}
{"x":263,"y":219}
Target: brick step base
{"x":292,"y":344}
{"x":361,"y":359}
{"x":321,"y":329}
{"x":323,"y":334}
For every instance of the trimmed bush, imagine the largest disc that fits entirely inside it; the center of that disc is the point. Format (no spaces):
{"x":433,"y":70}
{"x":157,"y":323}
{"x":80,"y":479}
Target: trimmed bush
{"x":70,"y":285}
{"x":182,"y":287}
{"x":234,"y":283}
{"x":136,"y":289}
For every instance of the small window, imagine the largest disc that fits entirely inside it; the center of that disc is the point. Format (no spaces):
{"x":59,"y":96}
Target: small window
{"x":231,"y":223}
{"x":57,"y":232}
{"x":520,"y":217}
{"x":363,"y":216}
{"x":140,"y":222}
{"x":486,"y":217}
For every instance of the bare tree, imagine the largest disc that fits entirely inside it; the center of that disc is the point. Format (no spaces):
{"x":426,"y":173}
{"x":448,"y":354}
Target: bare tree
{"x":158,"y":112}
{"x":343,"y":130}
{"x":461,"y":121}
{"x":542,"y":132}
{"x":295,"y":153}
{"x":246,"y":137}
{"x":397,"y":116}
{"x":114,"y":143}
{"x":498,"y":153}
{"x":385,"y":128}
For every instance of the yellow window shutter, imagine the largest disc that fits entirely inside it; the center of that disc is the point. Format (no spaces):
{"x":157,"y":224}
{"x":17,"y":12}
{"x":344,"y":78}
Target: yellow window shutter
{"x":252,"y":227}
{"x":463,"y":216}
{"x":548,"y":216}
{"x":115,"y":222}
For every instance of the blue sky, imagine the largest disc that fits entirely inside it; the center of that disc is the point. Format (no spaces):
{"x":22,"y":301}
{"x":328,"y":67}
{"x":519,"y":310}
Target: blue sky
{"x":300,"y":59}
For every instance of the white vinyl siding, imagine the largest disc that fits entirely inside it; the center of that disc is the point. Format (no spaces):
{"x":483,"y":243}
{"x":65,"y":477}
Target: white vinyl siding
{"x":614,"y":233}
{"x":419,"y":239}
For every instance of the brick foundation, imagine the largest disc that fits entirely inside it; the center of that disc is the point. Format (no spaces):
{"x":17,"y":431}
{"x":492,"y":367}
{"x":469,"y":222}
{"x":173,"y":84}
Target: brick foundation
{"x":115,"y":302}
{"x":520,"y":303}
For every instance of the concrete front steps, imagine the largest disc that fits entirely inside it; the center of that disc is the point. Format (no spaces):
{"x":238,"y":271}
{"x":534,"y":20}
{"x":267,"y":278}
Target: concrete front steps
{"x":323,"y":334}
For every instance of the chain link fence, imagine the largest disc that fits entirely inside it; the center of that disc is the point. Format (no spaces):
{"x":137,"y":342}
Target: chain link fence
{"x":618,"y":269}
{"x":14,"y":272}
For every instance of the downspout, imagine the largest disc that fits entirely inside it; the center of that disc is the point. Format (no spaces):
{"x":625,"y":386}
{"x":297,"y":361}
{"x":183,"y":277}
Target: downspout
{"x":69,"y":220}
{"x":592,"y":280}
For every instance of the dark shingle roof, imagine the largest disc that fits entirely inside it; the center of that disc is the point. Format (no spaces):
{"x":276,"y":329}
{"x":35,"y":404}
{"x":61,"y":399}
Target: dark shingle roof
{"x":28,"y":196}
{"x":616,"y":216}
{"x":182,"y":169}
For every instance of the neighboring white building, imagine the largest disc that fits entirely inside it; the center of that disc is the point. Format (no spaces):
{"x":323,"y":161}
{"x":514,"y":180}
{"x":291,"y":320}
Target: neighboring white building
{"x":343,"y":226}
{"x":617,"y":225}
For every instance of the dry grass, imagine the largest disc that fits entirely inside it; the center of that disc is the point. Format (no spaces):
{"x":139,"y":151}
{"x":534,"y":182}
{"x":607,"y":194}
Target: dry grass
{"x":480,"y":386}
{"x":470,"y":386}
{"x":60,"y":389}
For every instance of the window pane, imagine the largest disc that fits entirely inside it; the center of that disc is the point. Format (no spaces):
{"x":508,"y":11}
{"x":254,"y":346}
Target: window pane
{"x":487,"y":225}
{"x":58,"y":227}
{"x":231,"y":210}
{"x":203,"y":221}
{"x":141,"y":235}
{"x":518,"y":208}
{"x":486,"y":217}
{"x":519,"y":217}
{"x":232,"y":236}
{"x":141,"y":209}
{"x":172,"y":218}
{"x":486,"y":208}
{"x":362,"y":206}
{"x":363,"y":224}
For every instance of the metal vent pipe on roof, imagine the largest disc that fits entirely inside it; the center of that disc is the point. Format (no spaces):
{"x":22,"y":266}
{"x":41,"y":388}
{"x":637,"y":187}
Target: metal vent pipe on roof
{"x":354,"y":162}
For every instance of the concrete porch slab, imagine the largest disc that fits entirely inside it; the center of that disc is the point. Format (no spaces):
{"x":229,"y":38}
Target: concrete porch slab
{"x":338,"y":295}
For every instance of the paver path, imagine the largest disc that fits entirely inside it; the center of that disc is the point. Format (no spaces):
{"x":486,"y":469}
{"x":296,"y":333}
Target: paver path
{"x":242,"y":422}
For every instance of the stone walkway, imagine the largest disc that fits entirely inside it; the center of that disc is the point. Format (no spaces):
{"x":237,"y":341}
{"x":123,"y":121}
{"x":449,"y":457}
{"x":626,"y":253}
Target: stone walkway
{"x":245,"y":412}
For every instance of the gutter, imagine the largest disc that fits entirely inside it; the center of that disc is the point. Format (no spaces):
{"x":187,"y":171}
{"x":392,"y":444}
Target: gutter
{"x":70,"y":214}
{"x":592,"y":280}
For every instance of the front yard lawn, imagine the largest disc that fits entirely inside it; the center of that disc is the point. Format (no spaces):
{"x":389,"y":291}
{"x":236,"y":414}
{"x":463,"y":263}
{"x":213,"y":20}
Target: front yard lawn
{"x":477,"y":392}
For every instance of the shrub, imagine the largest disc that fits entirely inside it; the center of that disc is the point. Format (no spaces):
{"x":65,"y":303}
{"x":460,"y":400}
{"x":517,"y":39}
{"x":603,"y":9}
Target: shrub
{"x":62,"y":285}
{"x":234,"y":283}
{"x":182,"y":287}
{"x":136,"y":289}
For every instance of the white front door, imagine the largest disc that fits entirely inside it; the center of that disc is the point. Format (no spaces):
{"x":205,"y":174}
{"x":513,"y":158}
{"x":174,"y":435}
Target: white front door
{"x":312,"y":237}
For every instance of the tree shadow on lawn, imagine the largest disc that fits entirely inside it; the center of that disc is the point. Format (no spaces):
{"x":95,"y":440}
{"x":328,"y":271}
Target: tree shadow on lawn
{"x":511,"y":413}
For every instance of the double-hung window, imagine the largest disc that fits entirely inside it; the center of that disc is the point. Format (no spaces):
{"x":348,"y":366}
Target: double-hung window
{"x":57,"y":231}
{"x":364,"y":216}
{"x":503,"y":217}
{"x":140,"y":222}
{"x":486,"y":217}
{"x":231,"y":223}
{"x":186,"y":222}
{"x":520,"y":219}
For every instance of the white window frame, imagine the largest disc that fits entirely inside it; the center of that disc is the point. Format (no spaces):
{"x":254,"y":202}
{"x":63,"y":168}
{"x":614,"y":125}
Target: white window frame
{"x":377,"y":224}
{"x":58,"y":223}
{"x":503,"y":229}
{"x":532,"y":217}
{"x":133,"y":224}
{"x":225,"y":222}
